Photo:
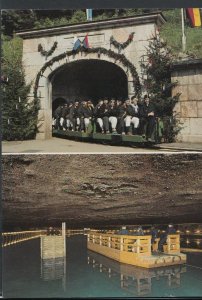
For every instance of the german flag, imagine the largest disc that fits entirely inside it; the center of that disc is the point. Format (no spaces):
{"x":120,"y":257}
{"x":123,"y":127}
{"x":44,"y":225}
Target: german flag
{"x":194,"y":16}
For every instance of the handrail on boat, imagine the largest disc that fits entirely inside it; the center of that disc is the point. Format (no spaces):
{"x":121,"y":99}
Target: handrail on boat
{"x":127,"y":243}
{"x":140,"y":245}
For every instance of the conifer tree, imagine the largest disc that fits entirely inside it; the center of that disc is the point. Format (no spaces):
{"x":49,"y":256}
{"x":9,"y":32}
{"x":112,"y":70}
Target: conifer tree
{"x":157,"y":67}
{"x":19,"y":112}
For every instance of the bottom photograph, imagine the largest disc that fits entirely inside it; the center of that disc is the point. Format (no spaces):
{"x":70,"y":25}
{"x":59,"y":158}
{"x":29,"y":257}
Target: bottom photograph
{"x":102,"y":225}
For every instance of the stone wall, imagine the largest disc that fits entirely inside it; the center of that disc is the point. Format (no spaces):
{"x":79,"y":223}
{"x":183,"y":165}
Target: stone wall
{"x":189,"y":108}
{"x":99,"y":34}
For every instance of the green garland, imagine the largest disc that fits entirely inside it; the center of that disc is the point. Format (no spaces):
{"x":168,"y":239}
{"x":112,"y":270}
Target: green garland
{"x":47,"y":53}
{"x":117,"y":57}
{"x":121,"y":46}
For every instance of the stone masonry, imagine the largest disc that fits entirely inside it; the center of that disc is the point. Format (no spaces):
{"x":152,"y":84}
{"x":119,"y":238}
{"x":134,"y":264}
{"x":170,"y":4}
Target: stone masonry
{"x":188,"y":74}
{"x":99,"y":33}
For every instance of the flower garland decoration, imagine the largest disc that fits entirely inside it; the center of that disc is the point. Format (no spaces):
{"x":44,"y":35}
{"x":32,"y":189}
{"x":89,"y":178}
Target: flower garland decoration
{"x":99,"y":50}
{"x":47,"y":53}
{"x":121,"y":46}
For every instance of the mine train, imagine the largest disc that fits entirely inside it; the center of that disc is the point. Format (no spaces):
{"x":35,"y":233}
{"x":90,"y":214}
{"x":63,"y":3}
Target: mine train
{"x":93,"y":134}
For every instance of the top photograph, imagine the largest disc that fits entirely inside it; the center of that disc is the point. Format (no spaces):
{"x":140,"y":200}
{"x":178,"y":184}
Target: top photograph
{"x":101,"y":81}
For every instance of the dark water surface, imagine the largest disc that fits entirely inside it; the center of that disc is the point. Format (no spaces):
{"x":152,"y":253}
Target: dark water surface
{"x":87,"y":274}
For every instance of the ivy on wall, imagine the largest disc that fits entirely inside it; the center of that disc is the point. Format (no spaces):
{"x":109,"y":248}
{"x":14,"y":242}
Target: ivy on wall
{"x":99,"y":50}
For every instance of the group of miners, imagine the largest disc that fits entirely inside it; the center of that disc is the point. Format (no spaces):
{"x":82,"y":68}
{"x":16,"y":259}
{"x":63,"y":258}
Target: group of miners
{"x":110,"y":116}
{"x":154,"y":232}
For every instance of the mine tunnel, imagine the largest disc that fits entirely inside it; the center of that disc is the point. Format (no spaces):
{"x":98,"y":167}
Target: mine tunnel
{"x":89,"y":79}
{"x":101,"y":190}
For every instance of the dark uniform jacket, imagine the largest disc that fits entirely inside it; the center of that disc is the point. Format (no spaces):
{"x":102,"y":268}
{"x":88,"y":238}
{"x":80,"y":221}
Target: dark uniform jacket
{"x":136,"y":111}
{"x":86,"y":112}
{"x":105,"y":110}
{"x":113,"y":111}
{"x":130,"y":111}
{"x":58,"y":112}
{"x":70,"y":113}
{"x":170,"y":230}
{"x":145,"y":110}
{"x":127,"y":110}
{"x":98,"y":111}
{"x":101,"y":111}
{"x":65,"y":112}
{"x":154,"y":233}
{"x":76,"y":112}
{"x":121,"y":111}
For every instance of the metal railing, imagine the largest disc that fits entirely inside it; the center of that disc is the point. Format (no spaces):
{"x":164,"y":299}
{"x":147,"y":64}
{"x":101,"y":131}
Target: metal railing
{"x":10,"y":238}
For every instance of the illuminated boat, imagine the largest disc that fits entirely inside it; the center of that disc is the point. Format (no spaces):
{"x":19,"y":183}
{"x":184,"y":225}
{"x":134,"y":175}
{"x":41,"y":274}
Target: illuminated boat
{"x":136,"y":250}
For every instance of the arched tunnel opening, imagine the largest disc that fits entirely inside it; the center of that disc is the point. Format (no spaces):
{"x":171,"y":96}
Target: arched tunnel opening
{"x":89,"y":79}
{"x":58,"y":101}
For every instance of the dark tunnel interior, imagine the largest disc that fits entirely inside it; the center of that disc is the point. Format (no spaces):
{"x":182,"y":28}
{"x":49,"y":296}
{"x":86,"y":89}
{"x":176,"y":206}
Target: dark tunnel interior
{"x":88,"y":80}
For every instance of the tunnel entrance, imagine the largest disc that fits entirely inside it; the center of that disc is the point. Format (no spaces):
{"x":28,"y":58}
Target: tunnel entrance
{"x":58,"y":101}
{"x":89,"y":79}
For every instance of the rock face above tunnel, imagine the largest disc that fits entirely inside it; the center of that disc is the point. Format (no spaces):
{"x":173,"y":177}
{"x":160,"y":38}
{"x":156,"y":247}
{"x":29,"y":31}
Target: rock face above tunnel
{"x":99,"y":190}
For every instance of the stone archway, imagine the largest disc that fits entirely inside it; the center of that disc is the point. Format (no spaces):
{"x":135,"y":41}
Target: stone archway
{"x":58,"y":45}
{"x":43,"y":85}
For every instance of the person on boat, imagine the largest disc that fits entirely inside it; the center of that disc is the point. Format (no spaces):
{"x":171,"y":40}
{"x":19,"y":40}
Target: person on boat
{"x":138,"y":231}
{"x":163,"y":238}
{"x":105,"y":115}
{"x":154,"y":235}
{"x":57,"y":116}
{"x":86,"y":112}
{"x":123,"y":231}
{"x":69,"y":116}
{"x":63,"y":116}
{"x":130,"y":117}
{"x":147,"y":118}
{"x":50,"y":231}
{"x":98,"y":114}
{"x":113,"y":115}
{"x":120,"y":116}
{"x":134,"y":104}
{"x":76,"y":116}
{"x":135,"y":120}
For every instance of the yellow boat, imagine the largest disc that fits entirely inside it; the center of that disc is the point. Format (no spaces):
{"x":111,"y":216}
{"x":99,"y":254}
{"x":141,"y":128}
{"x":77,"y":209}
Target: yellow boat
{"x":136,"y":250}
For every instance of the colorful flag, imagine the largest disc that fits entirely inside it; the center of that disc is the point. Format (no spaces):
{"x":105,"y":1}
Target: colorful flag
{"x":89,"y":14}
{"x":194,"y":16}
{"x":77,"y":44}
{"x":85,"y":42}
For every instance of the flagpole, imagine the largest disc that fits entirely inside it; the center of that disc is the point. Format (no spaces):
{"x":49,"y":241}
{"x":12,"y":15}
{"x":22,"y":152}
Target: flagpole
{"x":183,"y":31}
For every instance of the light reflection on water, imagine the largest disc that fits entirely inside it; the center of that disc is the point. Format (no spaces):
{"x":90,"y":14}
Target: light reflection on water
{"x":88,"y":274}
{"x":191,"y":242}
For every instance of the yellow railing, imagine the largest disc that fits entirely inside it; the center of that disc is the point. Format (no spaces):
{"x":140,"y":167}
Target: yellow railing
{"x":10,"y":238}
{"x":128,"y":243}
{"x":173,"y":243}
{"x":136,"y":244}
